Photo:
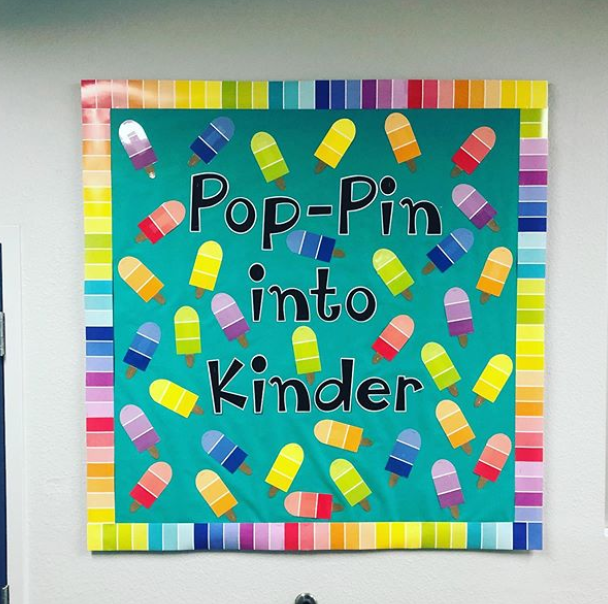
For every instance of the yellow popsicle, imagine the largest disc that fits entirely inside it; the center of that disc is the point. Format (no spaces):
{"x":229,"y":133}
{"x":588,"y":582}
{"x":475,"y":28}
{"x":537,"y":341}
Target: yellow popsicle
{"x":141,"y":279}
{"x":284,"y":469}
{"x":306,"y":352}
{"x":342,"y":436}
{"x":187,"y":333}
{"x":335,"y":144}
{"x":216,"y":494}
{"x":455,"y":425}
{"x":174,"y":397}
{"x":269,"y":158}
{"x":393,"y":273}
{"x":495,"y":273}
{"x":350,"y":483}
{"x":493,"y":379}
{"x":402,"y":139}
{"x":206,"y":267}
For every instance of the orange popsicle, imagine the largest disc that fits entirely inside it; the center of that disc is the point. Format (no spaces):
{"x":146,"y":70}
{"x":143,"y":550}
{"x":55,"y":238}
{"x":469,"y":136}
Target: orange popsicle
{"x":455,"y":425}
{"x":342,"y":436}
{"x":402,"y":139}
{"x":495,"y":273}
{"x":216,"y":494}
{"x":141,"y":279}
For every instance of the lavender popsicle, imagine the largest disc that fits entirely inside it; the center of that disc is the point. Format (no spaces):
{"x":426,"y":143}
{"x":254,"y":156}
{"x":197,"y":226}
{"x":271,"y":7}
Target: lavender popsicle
{"x":475,"y":207}
{"x":137,"y":145}
{"x":139,"y":430}
{"x":458,"y":314}
{"x":230,"y":318}
{"x":447,"y":486}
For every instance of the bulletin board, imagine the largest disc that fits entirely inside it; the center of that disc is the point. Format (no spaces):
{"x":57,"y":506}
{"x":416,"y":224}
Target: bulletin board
{"x":314,"y":314}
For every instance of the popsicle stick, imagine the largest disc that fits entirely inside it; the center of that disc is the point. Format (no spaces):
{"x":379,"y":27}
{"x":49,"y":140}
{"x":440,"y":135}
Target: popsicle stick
{"x":321,"y":165}
{"x":245,"y":469}
{"x":429,"y":267}
{"x":463,"y":340}
{"x":456,"y":171}
{"x":455,"y":511}
{"x":280,"y":182}
{"x":150,"y":171}
{"x":193,"y":160}
{"x":199,"y":292}
{"x":131,"y":371}
{"x":392,"y":481}
{"x":242,"y":340}
{"x":197,"y":410}
{"x":411,"y":164}
{"x":272,"y":491}
{"x":140,"y":237}
{"x":407,"y":294}
{"x":337,"y":507}
{"x":493,"y":226}
{"x":231,"y":515}
{"x":338,"y":253}
{"x":190,"y":360}
{"x":160,"y":298}
{"x":310,"y":378}
{"x":134,"y":506}
{"x":153,"y":450}
{"x":376,"y":358}
{"x":453,"y":390}
{"x":467,"y":448}
{"x":364,"y":503}
{"x":479,"y":400}
{"x":366,"y":442}
{"x":484,"y":297}
{"x":481,"y":482}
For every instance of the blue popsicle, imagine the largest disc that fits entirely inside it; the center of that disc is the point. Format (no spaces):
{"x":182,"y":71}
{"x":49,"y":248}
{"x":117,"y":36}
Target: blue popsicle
{"x":403,"y":455}
{"x":311,"y":245}
{"x":225,"y":452}
{"x":212,"y":140}
{"x":142,"y":349}
{"x":449,"y":250}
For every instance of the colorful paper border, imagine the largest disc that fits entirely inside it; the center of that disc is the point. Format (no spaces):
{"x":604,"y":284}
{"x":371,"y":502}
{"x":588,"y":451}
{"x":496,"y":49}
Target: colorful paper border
{"x":531,"y":97}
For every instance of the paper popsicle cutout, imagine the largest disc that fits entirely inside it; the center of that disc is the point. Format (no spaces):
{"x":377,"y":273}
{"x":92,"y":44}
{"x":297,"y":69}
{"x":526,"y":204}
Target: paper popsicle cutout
{"x":162,"y":221}
{"x":473,"y":151}
{"x":475,"y":207}
{"x":458,"y":314}
{"x":493,"y":459}
{"x":339,"y":435}
{"x":135,"y":142}
{"x":440,"y":366}
{"x":216,"y":494}
{"x":493,"y":379}
{"x":449,"y":251}
{"x":335,"y":144}
{"x":495,"y":273}
{"x":284,"y":469}
{"x":141,"y":279}
{"x":403,"y":455}
{"x":206,"y":267}
{"x":402,"y":139}
{"x":142,"y":348}
{"x":220,"y":448}
{"x":140,"y":430}
{"x":269,"y":158}
{"x":311,"y":245}
{"x":447,"y":486}
{"x":393,"y":338}
{"x":151,"y":485}
{"x":455,"y":425}
{"x":311,"y":505}
{"x":393,"y":273}
{"x":306,"y":352}
{"x":211,"y":140}
{"x":187,"y":333}
{"x":175,"y":398}
{"x":231,"y":319}
{"x":350,"y":483}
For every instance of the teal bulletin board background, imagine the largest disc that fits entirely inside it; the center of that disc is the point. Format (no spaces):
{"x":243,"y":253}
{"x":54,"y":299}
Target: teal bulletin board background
{"x":298,"y":133}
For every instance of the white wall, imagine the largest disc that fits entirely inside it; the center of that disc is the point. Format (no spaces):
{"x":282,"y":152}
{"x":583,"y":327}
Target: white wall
{"x":46,"y":47}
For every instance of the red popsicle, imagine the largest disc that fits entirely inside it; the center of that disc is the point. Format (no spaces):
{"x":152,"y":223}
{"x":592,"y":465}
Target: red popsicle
{"x":473,"y":151}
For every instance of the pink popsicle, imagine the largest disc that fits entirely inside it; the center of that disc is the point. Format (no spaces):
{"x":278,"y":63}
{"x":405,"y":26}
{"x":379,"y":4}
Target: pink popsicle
{"x":475,"y":207}
{"x":139,"y":430}
{"x":230,"y":318}
{"x":393,"y":338}
{"x":458,"y":314}
{"x":447,"y":486}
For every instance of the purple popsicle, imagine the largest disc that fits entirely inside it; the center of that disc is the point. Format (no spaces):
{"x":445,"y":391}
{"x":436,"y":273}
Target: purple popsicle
{"x":230,"y":318}
{"x":475,"y":207}
{"x":139,"y":430}
{"x":458,"y":314}
{"x":447,"y":486}
{"x":135,"y":141}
